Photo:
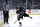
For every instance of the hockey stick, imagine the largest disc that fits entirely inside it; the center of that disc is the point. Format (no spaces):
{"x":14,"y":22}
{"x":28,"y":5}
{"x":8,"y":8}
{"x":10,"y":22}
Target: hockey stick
{"x":15,"y":21}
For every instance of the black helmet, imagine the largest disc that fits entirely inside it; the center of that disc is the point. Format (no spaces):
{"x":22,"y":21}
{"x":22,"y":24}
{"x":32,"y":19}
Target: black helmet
{"x":20,"y":4}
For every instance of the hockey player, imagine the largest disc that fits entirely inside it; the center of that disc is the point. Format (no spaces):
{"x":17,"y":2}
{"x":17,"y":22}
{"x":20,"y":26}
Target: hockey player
{"x":21,"y":12}
{"x":6,"y":11}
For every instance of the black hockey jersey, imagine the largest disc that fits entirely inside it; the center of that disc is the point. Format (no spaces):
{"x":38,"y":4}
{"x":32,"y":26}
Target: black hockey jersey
{"x":19,"y":9}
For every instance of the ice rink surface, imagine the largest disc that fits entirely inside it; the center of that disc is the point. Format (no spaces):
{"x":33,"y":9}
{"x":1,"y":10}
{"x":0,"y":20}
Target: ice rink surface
{"x":26,"y":22}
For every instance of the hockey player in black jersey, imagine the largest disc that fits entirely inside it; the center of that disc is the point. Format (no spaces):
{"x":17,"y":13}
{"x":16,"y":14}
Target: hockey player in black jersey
{"x":21,"y":12}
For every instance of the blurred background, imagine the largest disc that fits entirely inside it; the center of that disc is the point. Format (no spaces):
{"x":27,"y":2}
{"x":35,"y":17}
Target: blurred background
{"x":29,"y":4}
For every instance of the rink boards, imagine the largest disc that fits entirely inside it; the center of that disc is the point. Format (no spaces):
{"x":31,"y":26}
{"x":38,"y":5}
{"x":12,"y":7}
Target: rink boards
{"x":13,"y":12}
{"x":1,"y":17}
{"x":30,"y":12}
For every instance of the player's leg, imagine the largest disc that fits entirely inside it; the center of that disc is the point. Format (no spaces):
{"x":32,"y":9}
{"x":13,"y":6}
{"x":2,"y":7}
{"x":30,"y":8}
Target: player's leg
{"x":4,"y":16}
{"x":30,"y":17}
{"x":7,"y":17}
{"x":19,"y":21}
{"x":4,"y":19}
{"x":22,"y":17}
{"x":26,"y":15}
{"x":20,"y":24}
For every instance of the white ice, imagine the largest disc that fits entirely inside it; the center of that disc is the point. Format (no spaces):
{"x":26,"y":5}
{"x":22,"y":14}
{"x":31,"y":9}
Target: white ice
{"x":26,"y":22}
